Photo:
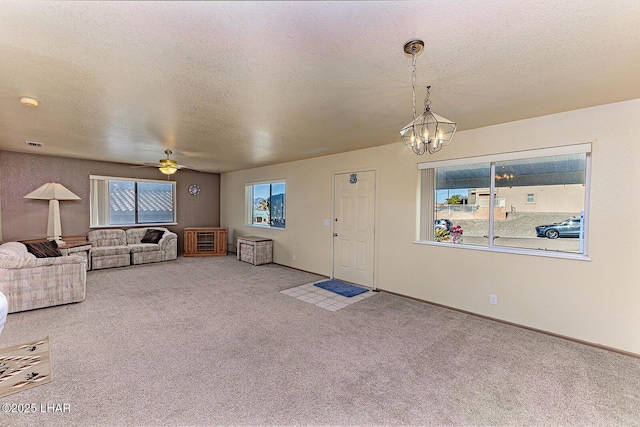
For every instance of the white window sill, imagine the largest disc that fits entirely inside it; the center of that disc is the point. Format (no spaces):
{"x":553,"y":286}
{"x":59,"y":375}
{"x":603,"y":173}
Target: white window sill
{"x":266,"y":227}
{"x":508,"y":250}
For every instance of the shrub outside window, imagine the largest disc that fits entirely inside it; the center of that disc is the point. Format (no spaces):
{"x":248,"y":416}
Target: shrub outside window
{"x":266,"y":204}
{"x":528,"y":201}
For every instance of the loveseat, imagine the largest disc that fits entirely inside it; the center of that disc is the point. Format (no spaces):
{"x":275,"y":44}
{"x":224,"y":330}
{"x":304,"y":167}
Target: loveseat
{"x":29,"y":282}
{"x":119,"y":248}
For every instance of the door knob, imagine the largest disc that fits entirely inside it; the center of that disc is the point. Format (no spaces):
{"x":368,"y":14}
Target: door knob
{"x":335,"y":234}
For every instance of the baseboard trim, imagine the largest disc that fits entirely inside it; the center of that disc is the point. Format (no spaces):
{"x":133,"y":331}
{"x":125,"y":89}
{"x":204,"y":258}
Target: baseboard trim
{"x":517,"y":325}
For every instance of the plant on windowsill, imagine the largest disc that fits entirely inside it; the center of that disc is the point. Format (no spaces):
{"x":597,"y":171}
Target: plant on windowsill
{"x":456,"y":234}
{"x":441,"y":235}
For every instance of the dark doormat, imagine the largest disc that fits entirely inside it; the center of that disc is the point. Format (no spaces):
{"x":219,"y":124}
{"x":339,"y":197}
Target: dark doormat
{"x":341,"y":288}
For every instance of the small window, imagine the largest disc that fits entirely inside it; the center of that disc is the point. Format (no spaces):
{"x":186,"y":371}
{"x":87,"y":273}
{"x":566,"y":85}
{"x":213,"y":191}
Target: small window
{"x":266,"y":204}
{"x":531,"y":198}
{"x":124,"y":201}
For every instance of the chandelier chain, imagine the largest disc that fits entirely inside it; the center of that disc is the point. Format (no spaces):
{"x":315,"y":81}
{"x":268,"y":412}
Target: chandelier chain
{"x":427,"y":99}
{"x":413,"y":84}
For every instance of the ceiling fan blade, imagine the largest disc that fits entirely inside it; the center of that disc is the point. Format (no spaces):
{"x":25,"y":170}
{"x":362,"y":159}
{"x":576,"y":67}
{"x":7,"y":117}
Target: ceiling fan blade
{"x":188,"y":168}
{"x":146,"y":165}
{"x":162,"y":163}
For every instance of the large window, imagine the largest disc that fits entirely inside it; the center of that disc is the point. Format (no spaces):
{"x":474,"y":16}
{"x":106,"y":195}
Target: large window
{"x":266,"y":204}
{"x":527,"y":201}
{"x":124,"y":201}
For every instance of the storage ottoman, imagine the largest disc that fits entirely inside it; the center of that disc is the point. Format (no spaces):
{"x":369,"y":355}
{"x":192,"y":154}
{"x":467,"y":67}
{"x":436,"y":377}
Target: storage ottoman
{"x":255,"y":250}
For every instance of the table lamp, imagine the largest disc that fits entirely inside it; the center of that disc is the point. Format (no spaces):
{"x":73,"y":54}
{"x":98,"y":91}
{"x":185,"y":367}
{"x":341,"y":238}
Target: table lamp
{"x":52,"y":191}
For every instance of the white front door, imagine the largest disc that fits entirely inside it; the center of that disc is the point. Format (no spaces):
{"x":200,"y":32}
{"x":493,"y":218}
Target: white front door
{"x":353,"y":241}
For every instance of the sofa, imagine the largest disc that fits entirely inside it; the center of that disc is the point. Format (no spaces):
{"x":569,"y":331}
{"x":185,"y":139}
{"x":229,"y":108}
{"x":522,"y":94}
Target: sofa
{"x":119,"y":248}
{"x":141,"y":253}
{"x":29,"y":282}
{"x":108,"y":249}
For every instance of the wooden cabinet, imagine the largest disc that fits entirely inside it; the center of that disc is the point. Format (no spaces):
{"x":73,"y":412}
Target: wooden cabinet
{"x":205,"y":241}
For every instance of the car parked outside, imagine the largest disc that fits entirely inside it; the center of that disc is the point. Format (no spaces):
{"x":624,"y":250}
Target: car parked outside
{"x":567,"y":228}
{"x":443,"y":223}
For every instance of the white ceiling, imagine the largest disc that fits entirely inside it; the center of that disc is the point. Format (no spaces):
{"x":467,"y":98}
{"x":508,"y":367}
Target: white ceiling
{"x":234,"y":85}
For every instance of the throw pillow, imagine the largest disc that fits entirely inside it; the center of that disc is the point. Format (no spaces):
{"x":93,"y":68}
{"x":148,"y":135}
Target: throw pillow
{"x":44,"y":249}
{"x":152,"y":236}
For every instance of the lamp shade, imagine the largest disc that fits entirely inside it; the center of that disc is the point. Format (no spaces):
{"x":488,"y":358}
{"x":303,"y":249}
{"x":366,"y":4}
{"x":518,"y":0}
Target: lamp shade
{"x":168,"y":170}
{"x":168,"y":166}
{"x":52,"y":191}
{"x":428,"y":133}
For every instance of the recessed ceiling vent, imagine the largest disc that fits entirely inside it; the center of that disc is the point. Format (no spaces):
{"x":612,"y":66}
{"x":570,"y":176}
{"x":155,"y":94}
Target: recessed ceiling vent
{"x":34,"y":144}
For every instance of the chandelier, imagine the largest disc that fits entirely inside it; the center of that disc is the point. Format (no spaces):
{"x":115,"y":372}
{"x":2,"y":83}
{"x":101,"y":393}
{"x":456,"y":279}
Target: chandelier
{"x":428,"y":132}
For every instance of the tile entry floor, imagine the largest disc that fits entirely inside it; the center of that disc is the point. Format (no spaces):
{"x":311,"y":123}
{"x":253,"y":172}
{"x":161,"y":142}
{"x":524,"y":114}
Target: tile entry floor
{"x":323,"y":298}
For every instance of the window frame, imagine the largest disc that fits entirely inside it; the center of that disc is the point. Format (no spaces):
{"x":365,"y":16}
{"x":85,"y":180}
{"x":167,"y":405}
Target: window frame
{"x":249,"y":207}
{"x":427,"y":189}
{"x":94,"y":222}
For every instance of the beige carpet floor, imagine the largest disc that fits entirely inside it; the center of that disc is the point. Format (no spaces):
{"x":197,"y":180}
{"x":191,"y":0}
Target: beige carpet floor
{"x":212,"y":341}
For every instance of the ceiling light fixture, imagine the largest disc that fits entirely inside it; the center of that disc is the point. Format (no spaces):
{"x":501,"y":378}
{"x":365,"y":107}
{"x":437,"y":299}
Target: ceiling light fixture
{"x":29,"y":102}
{"x":504,"y":176}
{"x":428,"y":132}
{"x":168,"y":166}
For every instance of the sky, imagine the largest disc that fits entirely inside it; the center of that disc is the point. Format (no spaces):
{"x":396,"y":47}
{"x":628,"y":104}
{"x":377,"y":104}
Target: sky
{"x":443,"y":195}
{"x":262,"y":190}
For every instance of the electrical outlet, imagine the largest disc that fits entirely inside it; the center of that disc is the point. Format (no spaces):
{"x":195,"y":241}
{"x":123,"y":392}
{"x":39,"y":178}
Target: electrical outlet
{"x":294,"y":257}
{"x":493,"y":299}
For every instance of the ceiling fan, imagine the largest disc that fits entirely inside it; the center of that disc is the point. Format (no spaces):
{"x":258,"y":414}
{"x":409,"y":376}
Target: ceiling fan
{"x":167,"y":166}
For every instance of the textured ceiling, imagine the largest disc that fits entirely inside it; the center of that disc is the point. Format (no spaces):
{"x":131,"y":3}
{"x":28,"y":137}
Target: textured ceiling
{"x":233,"y":85}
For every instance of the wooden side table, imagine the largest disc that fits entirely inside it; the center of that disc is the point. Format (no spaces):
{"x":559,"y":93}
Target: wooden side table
{"x":255,"y":250}
{"x":78,"y":248}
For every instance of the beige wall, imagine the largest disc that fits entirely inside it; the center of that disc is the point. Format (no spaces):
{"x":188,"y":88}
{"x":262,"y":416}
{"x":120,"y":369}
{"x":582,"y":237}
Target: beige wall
{"x":22,"y":173}
{"x":596,"y":301}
